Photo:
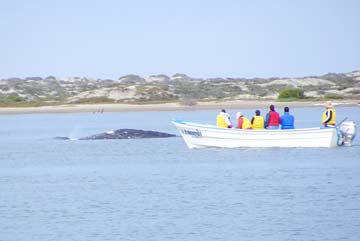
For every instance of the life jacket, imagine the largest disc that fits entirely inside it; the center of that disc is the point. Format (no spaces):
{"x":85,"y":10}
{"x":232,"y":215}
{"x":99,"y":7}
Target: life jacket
{"x":258,"y":123}
{"x":220,"y":122}
{"x":244,"y":123}
{"x":333,"y":117}
{"x":287,"y":121}
{"x":274,"y":119}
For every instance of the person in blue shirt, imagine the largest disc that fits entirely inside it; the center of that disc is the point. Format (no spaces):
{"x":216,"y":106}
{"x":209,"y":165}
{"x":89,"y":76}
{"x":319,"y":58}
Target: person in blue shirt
{"x":287,"y":120}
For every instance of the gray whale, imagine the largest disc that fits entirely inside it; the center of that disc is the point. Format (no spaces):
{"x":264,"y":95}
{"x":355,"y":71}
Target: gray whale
{"x":123,"y":134}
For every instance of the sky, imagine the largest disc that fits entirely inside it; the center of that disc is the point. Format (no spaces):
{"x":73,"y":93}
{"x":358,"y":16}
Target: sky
{"x":203,"y":39}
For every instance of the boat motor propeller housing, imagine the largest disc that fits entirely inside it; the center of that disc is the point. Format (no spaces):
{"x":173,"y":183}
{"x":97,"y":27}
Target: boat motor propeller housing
{"x":347,"y":130}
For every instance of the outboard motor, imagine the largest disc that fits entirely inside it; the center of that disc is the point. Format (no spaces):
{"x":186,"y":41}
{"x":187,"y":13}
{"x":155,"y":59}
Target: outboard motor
{"x":347,"y":130}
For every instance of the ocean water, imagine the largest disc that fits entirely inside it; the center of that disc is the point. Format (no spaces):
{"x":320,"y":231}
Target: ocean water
{"x":158,"y":189}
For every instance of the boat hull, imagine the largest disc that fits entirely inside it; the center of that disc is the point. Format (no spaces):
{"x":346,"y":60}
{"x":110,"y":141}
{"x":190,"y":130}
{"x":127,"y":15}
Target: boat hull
{"x":201,"y":136}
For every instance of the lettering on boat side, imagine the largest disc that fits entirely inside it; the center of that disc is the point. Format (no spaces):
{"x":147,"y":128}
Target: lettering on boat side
{"x":193,"y":133}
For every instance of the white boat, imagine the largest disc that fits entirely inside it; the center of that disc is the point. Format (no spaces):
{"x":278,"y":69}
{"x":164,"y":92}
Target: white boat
{"x":200,"y":136}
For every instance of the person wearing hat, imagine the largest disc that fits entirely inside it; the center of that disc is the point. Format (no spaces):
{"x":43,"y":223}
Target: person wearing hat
{"x":223,"y":120}
{"x":243,"y":122}
{"x":329,"y":115}
{"x":257,"y":121}
{"x":272,"y":120}
{"x":287,"y":120}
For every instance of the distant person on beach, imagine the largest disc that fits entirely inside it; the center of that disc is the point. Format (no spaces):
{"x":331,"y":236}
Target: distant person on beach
{"x":272,"y":120}
{"x":287,"y":120}
{"x":329,"y":115}
{"x":223,"y":120}
{"x":257,"y":121}
{"x":242,"y":121}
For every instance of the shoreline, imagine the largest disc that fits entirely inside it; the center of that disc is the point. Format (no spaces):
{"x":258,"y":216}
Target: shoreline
{"x":211,"y":105}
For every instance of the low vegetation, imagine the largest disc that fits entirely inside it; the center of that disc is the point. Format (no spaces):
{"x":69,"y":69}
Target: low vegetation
{"x":333,"y":97}
{"x":291,"y":94}
{"x":180,"y":88}
{"x":18,"y":101}
{"x":93,"y":100}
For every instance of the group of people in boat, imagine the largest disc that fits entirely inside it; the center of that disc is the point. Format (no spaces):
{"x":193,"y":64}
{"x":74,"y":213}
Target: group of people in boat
{"x":272,"y":120}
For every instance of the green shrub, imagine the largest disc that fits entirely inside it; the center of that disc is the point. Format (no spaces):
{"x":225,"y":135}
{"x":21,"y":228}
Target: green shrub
{"x":93,"y":100}
{"x":333,"y":97}
{"x":291,"y":93}
{"x":14,"y":99}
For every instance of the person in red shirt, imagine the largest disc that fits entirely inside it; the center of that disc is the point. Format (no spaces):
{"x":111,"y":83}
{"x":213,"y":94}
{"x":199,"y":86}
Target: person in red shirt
{"x":272,"y":121}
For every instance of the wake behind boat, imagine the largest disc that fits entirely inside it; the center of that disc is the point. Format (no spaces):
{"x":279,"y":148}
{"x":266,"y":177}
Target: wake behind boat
{"x":200,"y":136}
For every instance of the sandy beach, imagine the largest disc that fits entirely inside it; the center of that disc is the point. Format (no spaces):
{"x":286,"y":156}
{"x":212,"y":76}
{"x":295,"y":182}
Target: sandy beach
{"x":100,"y":108}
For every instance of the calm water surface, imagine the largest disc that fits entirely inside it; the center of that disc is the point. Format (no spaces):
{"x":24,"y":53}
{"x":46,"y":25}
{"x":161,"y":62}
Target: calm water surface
{"x":158,"y":189}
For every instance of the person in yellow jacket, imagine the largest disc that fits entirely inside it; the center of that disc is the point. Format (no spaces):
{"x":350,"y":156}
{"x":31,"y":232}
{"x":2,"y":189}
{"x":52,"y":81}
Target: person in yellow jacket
{"x":223,"y":120}
{"x":243,"y":122}
{"x":257,"y":121}
{"x":329,"y":115}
